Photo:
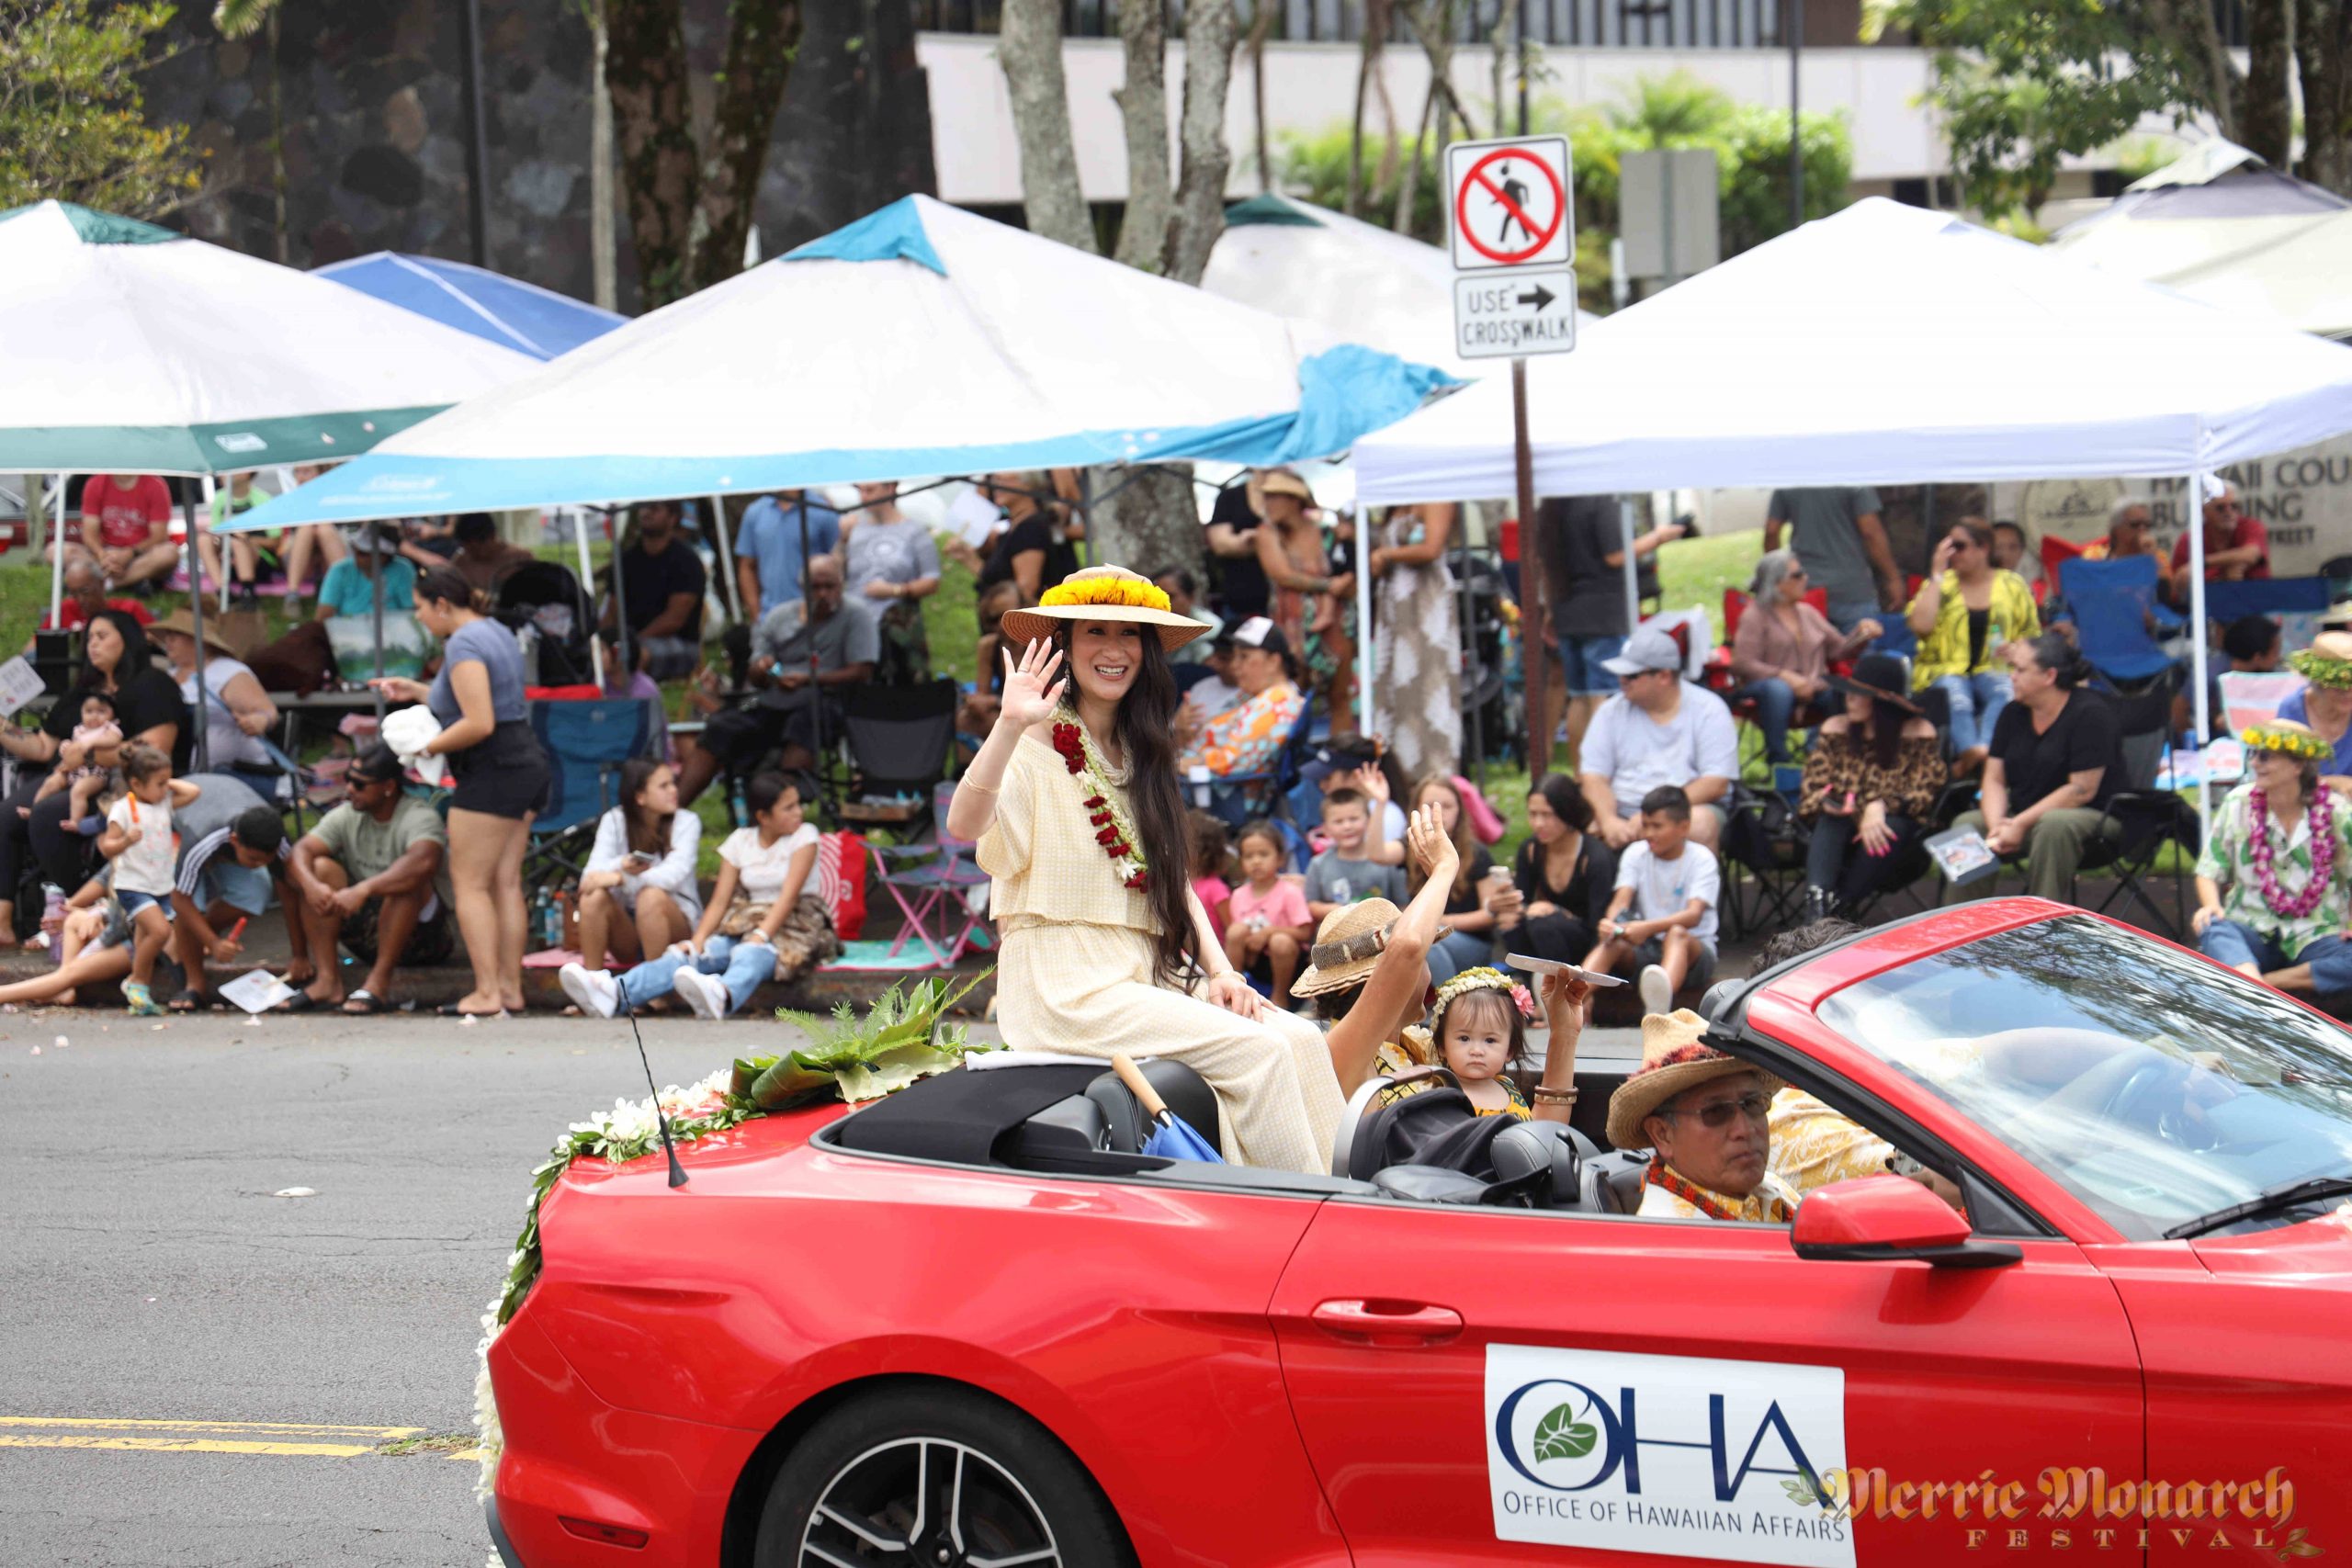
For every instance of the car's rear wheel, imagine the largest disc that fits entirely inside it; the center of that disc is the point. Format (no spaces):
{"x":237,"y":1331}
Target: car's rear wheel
{"x":933,"y":1477}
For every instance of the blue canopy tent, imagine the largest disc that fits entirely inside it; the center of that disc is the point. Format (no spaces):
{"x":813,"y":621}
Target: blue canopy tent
{"x":503,"y":310}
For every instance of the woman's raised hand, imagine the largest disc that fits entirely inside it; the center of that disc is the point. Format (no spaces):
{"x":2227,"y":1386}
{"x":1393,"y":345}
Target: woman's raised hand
{"x":1433,"y":851}
{"x":1028,"y":696}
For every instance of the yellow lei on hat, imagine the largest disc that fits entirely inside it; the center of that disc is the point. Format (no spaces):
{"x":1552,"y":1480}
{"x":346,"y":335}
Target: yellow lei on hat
{"x":1112,"y":587}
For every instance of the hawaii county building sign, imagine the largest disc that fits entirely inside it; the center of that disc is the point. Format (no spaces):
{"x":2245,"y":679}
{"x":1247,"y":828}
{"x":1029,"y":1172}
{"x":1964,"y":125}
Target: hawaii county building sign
{"x":2303,"y":497}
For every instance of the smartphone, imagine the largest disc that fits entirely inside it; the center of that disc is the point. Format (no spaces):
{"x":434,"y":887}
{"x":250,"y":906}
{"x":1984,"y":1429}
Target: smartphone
{"x":1548,"y":966}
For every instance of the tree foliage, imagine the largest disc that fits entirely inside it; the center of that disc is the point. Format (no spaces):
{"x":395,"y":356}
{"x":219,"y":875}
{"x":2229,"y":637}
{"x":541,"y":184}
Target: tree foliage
{"x":1751,"y":143}
{"x":73,"y":119}
{"x":2021,"y":85}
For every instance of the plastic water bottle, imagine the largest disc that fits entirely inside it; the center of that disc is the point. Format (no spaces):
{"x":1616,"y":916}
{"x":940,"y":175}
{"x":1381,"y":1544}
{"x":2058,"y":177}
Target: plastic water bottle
{"x":542,"y":908}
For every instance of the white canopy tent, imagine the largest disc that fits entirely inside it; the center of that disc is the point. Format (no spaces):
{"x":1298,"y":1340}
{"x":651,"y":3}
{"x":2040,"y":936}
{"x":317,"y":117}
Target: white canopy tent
{"x":919,"y":341}
{"x":1358,"y":281}
{"x":1886,"y":345}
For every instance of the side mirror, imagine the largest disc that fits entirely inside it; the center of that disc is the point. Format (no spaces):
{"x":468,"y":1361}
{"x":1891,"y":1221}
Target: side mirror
{"x":1888,"y":1219}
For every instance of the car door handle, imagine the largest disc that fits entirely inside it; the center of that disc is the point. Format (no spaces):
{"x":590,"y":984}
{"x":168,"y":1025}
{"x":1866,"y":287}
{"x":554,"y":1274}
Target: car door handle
{"x":1385,"y":1322}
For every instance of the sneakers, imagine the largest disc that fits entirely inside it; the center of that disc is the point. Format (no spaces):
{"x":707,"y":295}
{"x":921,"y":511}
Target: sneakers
{"x":142,"y":1001}
{"x":1657,"y":994}
{"x":594,"y":992}
{"x":706,"y":994}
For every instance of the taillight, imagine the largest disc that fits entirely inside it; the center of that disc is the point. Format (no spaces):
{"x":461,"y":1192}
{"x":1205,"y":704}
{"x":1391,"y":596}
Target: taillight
{"x":596,"y":1529}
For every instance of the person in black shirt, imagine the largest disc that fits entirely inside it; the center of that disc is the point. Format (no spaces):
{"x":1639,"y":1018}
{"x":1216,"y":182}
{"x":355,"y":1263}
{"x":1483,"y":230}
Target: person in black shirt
{"x":662,"y":581}
{"x":1233,"y":547}
{"x":2056,"y":759}
{"x":1581,"y":542}
{"x":1031,"y":551}
{"x":1565,"y":875}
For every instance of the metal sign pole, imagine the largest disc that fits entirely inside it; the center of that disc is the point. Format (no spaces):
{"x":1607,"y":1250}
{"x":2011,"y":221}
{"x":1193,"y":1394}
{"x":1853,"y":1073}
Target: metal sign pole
{"x":1534,"y":639}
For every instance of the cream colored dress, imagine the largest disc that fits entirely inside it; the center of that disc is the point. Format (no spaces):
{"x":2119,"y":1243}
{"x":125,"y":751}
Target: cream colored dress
{"x":1074,"y":974}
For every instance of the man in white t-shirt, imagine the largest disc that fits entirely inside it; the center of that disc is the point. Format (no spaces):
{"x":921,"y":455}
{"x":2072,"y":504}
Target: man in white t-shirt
{"x":1658,"y":729}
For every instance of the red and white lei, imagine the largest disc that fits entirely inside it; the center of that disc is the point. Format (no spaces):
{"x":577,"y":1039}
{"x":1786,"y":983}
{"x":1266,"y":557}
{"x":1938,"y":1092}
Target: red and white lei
{"x":1113,"y":829}
{"x":2323,"y":825}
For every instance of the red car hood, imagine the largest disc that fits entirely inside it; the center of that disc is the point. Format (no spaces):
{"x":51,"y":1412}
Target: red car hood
{"x":2318,"y":1251}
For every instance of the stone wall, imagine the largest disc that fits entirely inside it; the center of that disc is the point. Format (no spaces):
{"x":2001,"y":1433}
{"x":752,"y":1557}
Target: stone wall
{"x":372,"y":97}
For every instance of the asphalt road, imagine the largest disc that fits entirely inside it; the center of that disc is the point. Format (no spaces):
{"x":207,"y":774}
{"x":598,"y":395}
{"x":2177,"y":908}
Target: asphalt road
{"x":149,"y":1276}
{"x":196,"y":1373}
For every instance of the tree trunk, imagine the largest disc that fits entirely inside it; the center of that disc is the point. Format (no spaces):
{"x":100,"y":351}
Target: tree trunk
{"x":2265,"y":108}
{"x":1375,"y":30}
{"x":1152,"y":524}
{"x":1409,"y":191}
{"x":1209,"y":29}
{"x":1029,"y":48}
{"x":1261,"y":22}
{"x":2323,"y":40}
{"x":761,"y":38}
{"x":2192,"y":26}
{"x":604,"y":257}
{"x":283,"y":247}
{"x":1142,"y":114}
{"x":661,"y":167}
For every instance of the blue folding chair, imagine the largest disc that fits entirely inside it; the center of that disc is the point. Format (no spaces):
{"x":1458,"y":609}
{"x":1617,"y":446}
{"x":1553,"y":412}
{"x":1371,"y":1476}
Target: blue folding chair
{"x":2114,"y":603}
{"x":585,"y":742}
{"x":1236,"y":798}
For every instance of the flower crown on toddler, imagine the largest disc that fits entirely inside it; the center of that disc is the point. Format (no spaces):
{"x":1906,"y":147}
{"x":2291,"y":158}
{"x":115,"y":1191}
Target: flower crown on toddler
{"x":1486,"y":977}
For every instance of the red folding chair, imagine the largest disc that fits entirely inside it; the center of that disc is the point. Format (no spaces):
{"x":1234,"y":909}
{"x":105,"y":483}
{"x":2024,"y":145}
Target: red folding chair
{"x":933,"y":883}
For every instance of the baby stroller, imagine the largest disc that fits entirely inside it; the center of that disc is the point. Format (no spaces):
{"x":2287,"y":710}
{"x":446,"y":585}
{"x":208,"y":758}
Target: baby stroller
{"x":541,"y":602}
{"x":1492,"y":702}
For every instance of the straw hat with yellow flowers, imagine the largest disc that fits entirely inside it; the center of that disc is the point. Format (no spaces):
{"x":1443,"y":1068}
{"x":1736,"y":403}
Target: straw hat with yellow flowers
{"x":1103,"y":593}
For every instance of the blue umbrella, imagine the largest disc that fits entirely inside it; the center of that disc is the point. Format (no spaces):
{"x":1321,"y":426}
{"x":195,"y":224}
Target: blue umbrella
{"x":1171,"y":1136}
{"x":505,"y":311}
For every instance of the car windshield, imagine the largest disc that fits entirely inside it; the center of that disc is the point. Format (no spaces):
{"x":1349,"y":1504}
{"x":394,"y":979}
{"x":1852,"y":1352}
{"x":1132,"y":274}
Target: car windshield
{"x":2151,"y":1085}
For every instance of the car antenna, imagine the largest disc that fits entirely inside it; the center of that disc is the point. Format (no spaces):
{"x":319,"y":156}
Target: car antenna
{"x":677,"y":1171}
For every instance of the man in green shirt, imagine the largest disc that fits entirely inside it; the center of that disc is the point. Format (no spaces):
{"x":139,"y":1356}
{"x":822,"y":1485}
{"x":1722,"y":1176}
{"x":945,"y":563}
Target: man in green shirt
{"x":374,"y":875}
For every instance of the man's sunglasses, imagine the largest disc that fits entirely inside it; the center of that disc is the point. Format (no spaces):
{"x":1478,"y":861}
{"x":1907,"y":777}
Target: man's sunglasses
{"x":1717,"y":1115}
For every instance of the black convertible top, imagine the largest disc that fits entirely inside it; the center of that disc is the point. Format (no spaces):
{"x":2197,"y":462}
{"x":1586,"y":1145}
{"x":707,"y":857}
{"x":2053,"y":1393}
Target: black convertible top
{"x":959,"y":1116}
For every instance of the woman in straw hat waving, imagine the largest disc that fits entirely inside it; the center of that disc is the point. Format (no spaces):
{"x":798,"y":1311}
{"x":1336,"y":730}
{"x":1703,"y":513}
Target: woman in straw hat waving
{"x":1075,"y":802}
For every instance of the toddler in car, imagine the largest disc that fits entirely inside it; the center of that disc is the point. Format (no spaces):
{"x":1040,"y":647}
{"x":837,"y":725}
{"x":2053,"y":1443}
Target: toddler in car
{"x":1478,"y":1031}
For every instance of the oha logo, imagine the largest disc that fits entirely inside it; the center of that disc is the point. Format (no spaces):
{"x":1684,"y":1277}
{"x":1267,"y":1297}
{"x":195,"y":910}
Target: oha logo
{"x":1565,"y":1436}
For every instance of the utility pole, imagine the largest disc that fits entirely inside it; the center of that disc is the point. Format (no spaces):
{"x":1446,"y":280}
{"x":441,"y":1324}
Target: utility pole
{"x":1792,"y":18}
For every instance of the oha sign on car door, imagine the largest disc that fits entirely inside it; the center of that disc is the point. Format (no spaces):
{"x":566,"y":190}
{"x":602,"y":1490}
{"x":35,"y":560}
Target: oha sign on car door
{"x":1669,"y":1454}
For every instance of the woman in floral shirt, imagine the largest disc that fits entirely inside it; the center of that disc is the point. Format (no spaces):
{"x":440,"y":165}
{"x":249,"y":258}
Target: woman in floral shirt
{"x":1871,"y":780}
{"x":2275,"y":882}
{"x":1246,"y":738}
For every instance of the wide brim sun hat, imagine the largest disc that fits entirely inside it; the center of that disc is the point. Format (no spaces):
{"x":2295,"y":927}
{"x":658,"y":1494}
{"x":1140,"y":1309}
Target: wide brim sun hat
{"x":1675,"y":1056}
{"x":1870,"y":679}
{"x":1103,"y":593}
{"x":1347,"y":948}
{"x":181,"y":622}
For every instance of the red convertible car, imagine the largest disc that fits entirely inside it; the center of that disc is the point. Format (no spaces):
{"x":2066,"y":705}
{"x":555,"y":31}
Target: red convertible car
{"x":972,"y":1325}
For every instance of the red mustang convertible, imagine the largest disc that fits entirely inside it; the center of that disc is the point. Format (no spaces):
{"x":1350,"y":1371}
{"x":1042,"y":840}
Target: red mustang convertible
{"x":973,"y":1324}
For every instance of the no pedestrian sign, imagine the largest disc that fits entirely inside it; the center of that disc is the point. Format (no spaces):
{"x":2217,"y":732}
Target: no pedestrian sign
{"x":1508,"y":204}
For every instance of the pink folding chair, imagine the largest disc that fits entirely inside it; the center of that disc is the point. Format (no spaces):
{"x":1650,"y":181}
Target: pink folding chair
{"x":932,"y":885}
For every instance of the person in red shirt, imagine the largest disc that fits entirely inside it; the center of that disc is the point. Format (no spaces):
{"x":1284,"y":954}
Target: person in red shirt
{"x":127,"y":529}
{"x":2236,"y":547}
{"x":86,"y":596}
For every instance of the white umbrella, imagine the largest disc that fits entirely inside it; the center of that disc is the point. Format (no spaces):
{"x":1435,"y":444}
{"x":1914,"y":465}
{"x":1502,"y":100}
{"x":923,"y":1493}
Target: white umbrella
{"x":130,"y":349}
{"x":921,"y":340}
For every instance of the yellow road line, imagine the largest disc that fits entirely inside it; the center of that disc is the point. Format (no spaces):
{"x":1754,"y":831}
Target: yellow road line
{"x":186,"y":1445}
{"x":271,"y":1428}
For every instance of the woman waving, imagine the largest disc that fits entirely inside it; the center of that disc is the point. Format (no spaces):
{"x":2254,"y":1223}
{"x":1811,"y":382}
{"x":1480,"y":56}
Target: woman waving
{"x":1074,"y":799}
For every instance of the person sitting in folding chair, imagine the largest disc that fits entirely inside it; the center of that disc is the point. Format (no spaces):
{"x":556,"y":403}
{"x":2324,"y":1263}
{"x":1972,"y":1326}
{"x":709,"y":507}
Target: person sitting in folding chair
{"x":2274,"y":881}
{"x":801,"y":656}
{"x":1246,"y":738}
{"x":2326,"y":703}
{"x":2056,"y":759}
{"x":1869,"y":782}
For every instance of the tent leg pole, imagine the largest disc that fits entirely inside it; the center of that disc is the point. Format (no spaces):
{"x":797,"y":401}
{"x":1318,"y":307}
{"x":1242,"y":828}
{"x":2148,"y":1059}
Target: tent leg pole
{"x":587,"y":577}
{"x":726,"y":563}
{"x":1633,"y":566}
{"x":195,"y":586}
{"x":2195,"y":523}
{"x":620,"y":594}
{"x":57,"y":554}
{"x":196,"y":621}
{"x":1367,"y":652}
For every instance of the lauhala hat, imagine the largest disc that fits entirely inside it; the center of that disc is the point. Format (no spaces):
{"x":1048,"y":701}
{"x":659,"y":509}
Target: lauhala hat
{"x":1347,"y":946}
{"x":1675,"y":1056}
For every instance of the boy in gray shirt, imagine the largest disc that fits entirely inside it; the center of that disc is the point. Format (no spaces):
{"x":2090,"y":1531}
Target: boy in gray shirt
{"x":1340,"y":875}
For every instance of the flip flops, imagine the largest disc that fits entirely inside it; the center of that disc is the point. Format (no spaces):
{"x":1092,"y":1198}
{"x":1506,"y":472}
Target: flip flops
{"x":363,"y":1003}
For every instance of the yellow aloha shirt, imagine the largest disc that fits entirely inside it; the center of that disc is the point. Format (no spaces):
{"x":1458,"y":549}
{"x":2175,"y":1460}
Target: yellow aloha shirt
{"x":1813,"y":1145}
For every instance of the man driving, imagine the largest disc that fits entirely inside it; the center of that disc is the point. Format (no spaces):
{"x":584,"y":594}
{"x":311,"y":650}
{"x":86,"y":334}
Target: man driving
{"x":1704,"y":1115}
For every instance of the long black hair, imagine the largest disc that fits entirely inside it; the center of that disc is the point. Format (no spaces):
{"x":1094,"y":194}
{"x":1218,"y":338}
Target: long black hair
{"x":138,"y":653}
{"x":1154,"y":800}
{"x":645,"y":833}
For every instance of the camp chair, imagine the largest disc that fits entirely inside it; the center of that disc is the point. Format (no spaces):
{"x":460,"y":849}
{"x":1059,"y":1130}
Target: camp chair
{"x":1238,"y":798}
{"x":585,"y":744}
{"x":1762,"y":836}
{"x":931,"y":884}
{"x":2143,"y":818}
{"x":897,"y":737}
{"x":2113,"y":601}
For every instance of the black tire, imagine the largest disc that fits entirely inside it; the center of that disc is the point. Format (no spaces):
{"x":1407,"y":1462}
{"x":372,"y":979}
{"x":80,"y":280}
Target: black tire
{"x":1022,"y":1490}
